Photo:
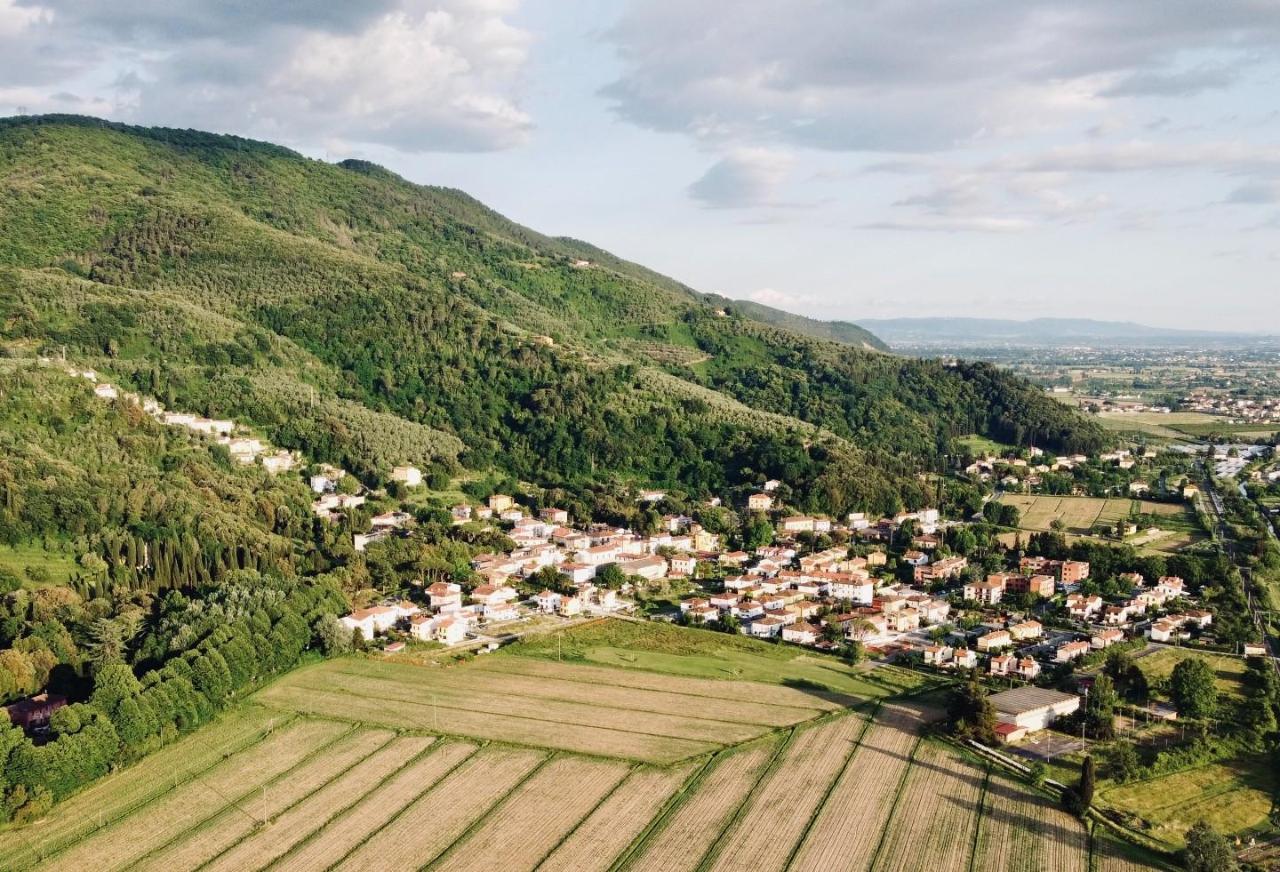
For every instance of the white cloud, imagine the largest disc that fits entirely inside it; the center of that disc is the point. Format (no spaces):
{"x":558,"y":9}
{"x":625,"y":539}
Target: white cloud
{"x":418,"y":75}
{"x":782,"y":299}
{"x":744,"y":178}
{"x":916,"y":75}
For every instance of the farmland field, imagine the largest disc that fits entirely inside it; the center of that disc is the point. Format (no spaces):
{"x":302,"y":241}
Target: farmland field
{"x":1079,"y":515}
{"x":706,"y":654}
{"x":1235,"y":797}
{"x":592,"y":768}
{"x":559,"y":706}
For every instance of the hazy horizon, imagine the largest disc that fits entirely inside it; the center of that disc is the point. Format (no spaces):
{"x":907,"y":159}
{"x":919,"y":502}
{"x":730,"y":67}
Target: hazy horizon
{"x":847,"y":163}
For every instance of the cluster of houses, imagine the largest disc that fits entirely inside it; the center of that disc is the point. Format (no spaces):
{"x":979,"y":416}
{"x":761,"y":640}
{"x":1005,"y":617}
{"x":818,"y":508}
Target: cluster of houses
{"x":242,"y":447}
{"x":1018,"y":474}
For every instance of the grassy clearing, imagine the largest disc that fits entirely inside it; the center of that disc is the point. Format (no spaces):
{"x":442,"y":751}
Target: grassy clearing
{"x":536,"y":817}
{"x":1228,"y":671}
{"x":1235,"y":797}
{"x":982,"y":446}
{"x":1111,"y":854}
{"x":116,"y":796}
{"x":37,"y":566}
{"x":657,"y":647}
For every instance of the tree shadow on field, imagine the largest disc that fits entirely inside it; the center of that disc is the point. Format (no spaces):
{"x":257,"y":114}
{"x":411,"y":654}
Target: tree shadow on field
{"x":821,"y":691}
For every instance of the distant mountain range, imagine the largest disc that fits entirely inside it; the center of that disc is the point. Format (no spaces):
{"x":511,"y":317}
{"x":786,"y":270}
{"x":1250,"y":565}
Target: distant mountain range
{"x":1037,"y":331}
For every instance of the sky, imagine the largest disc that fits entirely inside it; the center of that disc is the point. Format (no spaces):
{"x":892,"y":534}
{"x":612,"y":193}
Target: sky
{"x":844,"y":159}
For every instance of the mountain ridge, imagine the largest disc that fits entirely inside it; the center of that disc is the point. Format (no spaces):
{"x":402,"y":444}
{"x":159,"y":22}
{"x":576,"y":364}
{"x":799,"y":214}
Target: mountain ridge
{"x":238,"y":277}
{"x":971,"y":330}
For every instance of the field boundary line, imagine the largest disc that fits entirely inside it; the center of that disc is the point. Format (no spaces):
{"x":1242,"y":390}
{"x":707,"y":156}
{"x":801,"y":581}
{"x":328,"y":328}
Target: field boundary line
{"x":818,"y":712}
{"x":401,"y":811}
{"x":868,"y":723}
{"x":897,"y":796}
{"x":288,"y":718}
{"x":717,"y":845}
{"x":981,"y":816}
{"x":430,"y":749}
{"x":676,"y":800}
{"x":483,"y":818}
{"x":630,"y":772}
{"x":234,"y":807}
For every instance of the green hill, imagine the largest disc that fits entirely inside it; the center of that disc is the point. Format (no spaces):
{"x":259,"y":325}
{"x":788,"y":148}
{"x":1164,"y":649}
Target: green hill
{"x":240,"y":278}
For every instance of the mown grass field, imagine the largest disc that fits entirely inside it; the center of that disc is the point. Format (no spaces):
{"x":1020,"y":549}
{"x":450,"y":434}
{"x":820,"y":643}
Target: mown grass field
{"x":657,"y":647}
{"x":796,"y":782}
{"x":1228,"y":671}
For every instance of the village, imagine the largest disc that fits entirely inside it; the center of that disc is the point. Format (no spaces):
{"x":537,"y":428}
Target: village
{"x":886,"y":589}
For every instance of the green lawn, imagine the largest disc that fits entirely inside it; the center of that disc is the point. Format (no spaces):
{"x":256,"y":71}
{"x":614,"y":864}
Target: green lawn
{"x":1235,"y":797}
{"x":1229,"y":670}
{"x":659,"y":647}
{"x":982,"y":445}
{"x":37,"y":566}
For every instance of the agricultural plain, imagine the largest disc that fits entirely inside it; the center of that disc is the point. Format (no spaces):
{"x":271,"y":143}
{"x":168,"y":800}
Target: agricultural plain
{"x":359,"y":764}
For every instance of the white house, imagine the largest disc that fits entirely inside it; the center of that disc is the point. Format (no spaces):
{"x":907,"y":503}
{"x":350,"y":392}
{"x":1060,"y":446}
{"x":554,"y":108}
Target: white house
{"x":409,"y":476}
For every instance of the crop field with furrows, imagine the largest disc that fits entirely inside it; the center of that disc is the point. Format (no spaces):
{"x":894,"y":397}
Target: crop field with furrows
{"x":478,"y":698}
{"x":622,"y":743}
{"x":186,"y":807}
{"x":536,"y":816}
{"x":281,"y":832}
{"x":317,"y":849}
{"x":617,"y":821}
{"x":632,"y":715}
{"x":425,"y":830}
{"x":691,"y":827}
{"x":368,"y":751}
{"x":847,"y":828}
{"x":780,"y":809}
{"x":935,"y":814}
{"x":1023,"y":832}
{"x":113,"y":798}
{"x":575,"y":685}
{"x":635,"y":678}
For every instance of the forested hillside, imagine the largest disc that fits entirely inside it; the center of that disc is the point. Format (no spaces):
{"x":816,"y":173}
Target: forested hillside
{"x":367,"y":321}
